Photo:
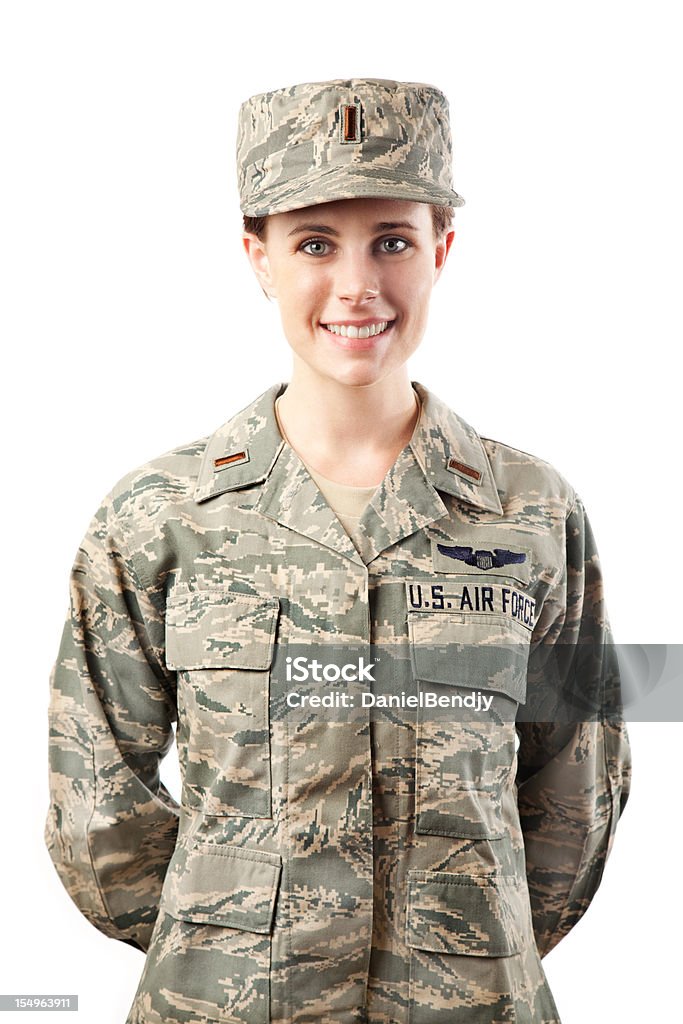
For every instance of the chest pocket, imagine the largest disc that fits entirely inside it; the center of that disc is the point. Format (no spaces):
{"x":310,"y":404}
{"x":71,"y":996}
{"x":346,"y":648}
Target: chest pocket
{"x":475,"y":667}
{"x":221,"y":645}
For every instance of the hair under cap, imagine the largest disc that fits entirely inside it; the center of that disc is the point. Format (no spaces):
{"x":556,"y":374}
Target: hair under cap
{"x":348,"y":138}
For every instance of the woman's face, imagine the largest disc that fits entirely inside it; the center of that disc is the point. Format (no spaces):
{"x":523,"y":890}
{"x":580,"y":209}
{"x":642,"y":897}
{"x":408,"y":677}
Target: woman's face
{"x":352,"y":279}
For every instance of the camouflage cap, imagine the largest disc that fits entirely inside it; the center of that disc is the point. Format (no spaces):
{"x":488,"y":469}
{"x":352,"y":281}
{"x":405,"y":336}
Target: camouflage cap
{"x":358,"y":137}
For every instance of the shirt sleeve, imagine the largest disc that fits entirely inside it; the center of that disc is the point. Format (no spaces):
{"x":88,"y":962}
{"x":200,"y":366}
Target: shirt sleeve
{"x":574,"y":762}
{"x":111,"y":826}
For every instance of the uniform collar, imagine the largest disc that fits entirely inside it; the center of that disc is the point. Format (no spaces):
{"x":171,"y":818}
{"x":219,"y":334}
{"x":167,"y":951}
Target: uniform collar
{"x":444,"y":455}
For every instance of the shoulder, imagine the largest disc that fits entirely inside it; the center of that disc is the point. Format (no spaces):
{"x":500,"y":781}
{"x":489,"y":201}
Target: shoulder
{"x":520,"y":475}
{"x":145,"y":506}
{"x":170,"y":476}
{"x":501,"y":478}
{"x":154,"y":488}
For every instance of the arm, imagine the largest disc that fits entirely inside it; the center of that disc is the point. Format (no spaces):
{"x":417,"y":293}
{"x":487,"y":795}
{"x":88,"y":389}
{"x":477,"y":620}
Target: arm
{"x":111,"y":826}
{"x":574,"y":761}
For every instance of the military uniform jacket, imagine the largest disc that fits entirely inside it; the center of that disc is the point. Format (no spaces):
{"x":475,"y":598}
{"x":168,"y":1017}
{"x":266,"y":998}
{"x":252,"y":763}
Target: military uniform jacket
{"x":333,"y":866}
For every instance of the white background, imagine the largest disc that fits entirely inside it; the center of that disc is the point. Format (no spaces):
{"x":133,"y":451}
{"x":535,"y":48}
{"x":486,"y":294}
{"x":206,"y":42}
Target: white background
{"x":132,"y":323}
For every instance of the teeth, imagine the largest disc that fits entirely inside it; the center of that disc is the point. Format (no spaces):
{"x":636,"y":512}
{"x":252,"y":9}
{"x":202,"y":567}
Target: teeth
{"x":357,"y":332}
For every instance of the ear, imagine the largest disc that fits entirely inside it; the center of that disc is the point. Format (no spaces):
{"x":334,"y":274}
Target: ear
{"x":441,"y":251}
{"x":255,"y":249}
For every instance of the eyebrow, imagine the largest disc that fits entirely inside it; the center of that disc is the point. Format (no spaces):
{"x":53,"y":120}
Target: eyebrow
{"x":325,"y":229}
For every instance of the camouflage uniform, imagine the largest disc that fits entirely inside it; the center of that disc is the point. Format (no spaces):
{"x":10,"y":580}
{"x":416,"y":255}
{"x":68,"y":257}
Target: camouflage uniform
{"x":352,"y":866}
{"x":328,"y":869}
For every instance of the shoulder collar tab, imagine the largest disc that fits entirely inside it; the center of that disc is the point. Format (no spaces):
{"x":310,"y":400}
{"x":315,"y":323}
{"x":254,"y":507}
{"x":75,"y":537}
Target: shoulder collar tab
{"x":243,"y":451}
{"x":452,"y":454}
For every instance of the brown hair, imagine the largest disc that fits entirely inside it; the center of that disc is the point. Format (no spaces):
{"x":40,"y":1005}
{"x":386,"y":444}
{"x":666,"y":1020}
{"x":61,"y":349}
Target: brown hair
{"x":442,"y":217}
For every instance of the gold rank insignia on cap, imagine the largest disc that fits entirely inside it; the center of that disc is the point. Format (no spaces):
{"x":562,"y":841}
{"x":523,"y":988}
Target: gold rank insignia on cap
{"x":350,"y":122}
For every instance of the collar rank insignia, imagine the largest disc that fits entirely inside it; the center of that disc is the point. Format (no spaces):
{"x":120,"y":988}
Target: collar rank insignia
{"x":483,"y":559}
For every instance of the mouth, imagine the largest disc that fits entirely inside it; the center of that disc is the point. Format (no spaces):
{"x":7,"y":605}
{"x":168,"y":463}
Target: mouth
{"x":362,"y":332}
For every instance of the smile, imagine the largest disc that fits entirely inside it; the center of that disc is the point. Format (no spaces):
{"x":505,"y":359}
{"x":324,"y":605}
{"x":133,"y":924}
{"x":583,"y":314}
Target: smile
{"x":352,"y":331}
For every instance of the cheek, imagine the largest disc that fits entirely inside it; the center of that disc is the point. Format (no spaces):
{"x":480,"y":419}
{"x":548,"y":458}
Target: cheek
{"x":302,"y":296}
{"x":413,"y":291}
{"x":412,"y":276}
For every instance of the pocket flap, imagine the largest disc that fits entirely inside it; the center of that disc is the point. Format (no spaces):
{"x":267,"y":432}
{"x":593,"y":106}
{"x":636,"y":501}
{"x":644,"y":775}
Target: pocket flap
{"x":215,"y":629}
{"x":486,"y":652}
{"x":215,"y":883}
{"x":467,"y":914}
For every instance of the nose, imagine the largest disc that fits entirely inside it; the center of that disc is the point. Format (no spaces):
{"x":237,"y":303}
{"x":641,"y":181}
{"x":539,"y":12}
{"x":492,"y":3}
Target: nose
{"x":357,"y":279}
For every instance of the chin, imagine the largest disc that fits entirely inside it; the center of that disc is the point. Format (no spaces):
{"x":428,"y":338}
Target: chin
{"x":356,"y":376}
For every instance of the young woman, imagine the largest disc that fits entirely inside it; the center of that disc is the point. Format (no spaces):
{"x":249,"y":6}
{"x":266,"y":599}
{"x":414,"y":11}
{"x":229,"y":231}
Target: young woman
{"x":346,"y":538}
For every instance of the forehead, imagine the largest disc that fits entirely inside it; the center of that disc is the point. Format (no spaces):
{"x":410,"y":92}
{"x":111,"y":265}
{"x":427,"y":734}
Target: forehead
{"x":364,"y":212}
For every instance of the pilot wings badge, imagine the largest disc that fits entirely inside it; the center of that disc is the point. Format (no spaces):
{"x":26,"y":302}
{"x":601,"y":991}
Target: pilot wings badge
{"x":495,"y":559}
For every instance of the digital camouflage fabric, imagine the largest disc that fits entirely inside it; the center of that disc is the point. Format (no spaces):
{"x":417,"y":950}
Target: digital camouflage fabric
{"x":317,"y":142}
{"x":341,"y":867}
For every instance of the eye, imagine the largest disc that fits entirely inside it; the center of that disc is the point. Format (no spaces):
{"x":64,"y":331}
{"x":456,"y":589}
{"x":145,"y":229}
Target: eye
{"x":394,"y":244}
{"x":314,"y":247}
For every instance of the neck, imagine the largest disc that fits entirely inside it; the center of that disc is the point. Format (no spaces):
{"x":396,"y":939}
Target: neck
{"x":350,"y":434}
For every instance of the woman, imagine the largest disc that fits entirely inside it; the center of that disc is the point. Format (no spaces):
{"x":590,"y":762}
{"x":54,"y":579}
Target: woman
{"x":345,"y":536}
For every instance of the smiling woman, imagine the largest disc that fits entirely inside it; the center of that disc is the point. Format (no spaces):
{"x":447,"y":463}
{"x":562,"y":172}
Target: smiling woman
{"x":328,"y":863}
{"x":353,"y":296}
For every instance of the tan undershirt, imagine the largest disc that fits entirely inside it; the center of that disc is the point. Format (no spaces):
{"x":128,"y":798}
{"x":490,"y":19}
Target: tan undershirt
{"x":348,"y":503}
